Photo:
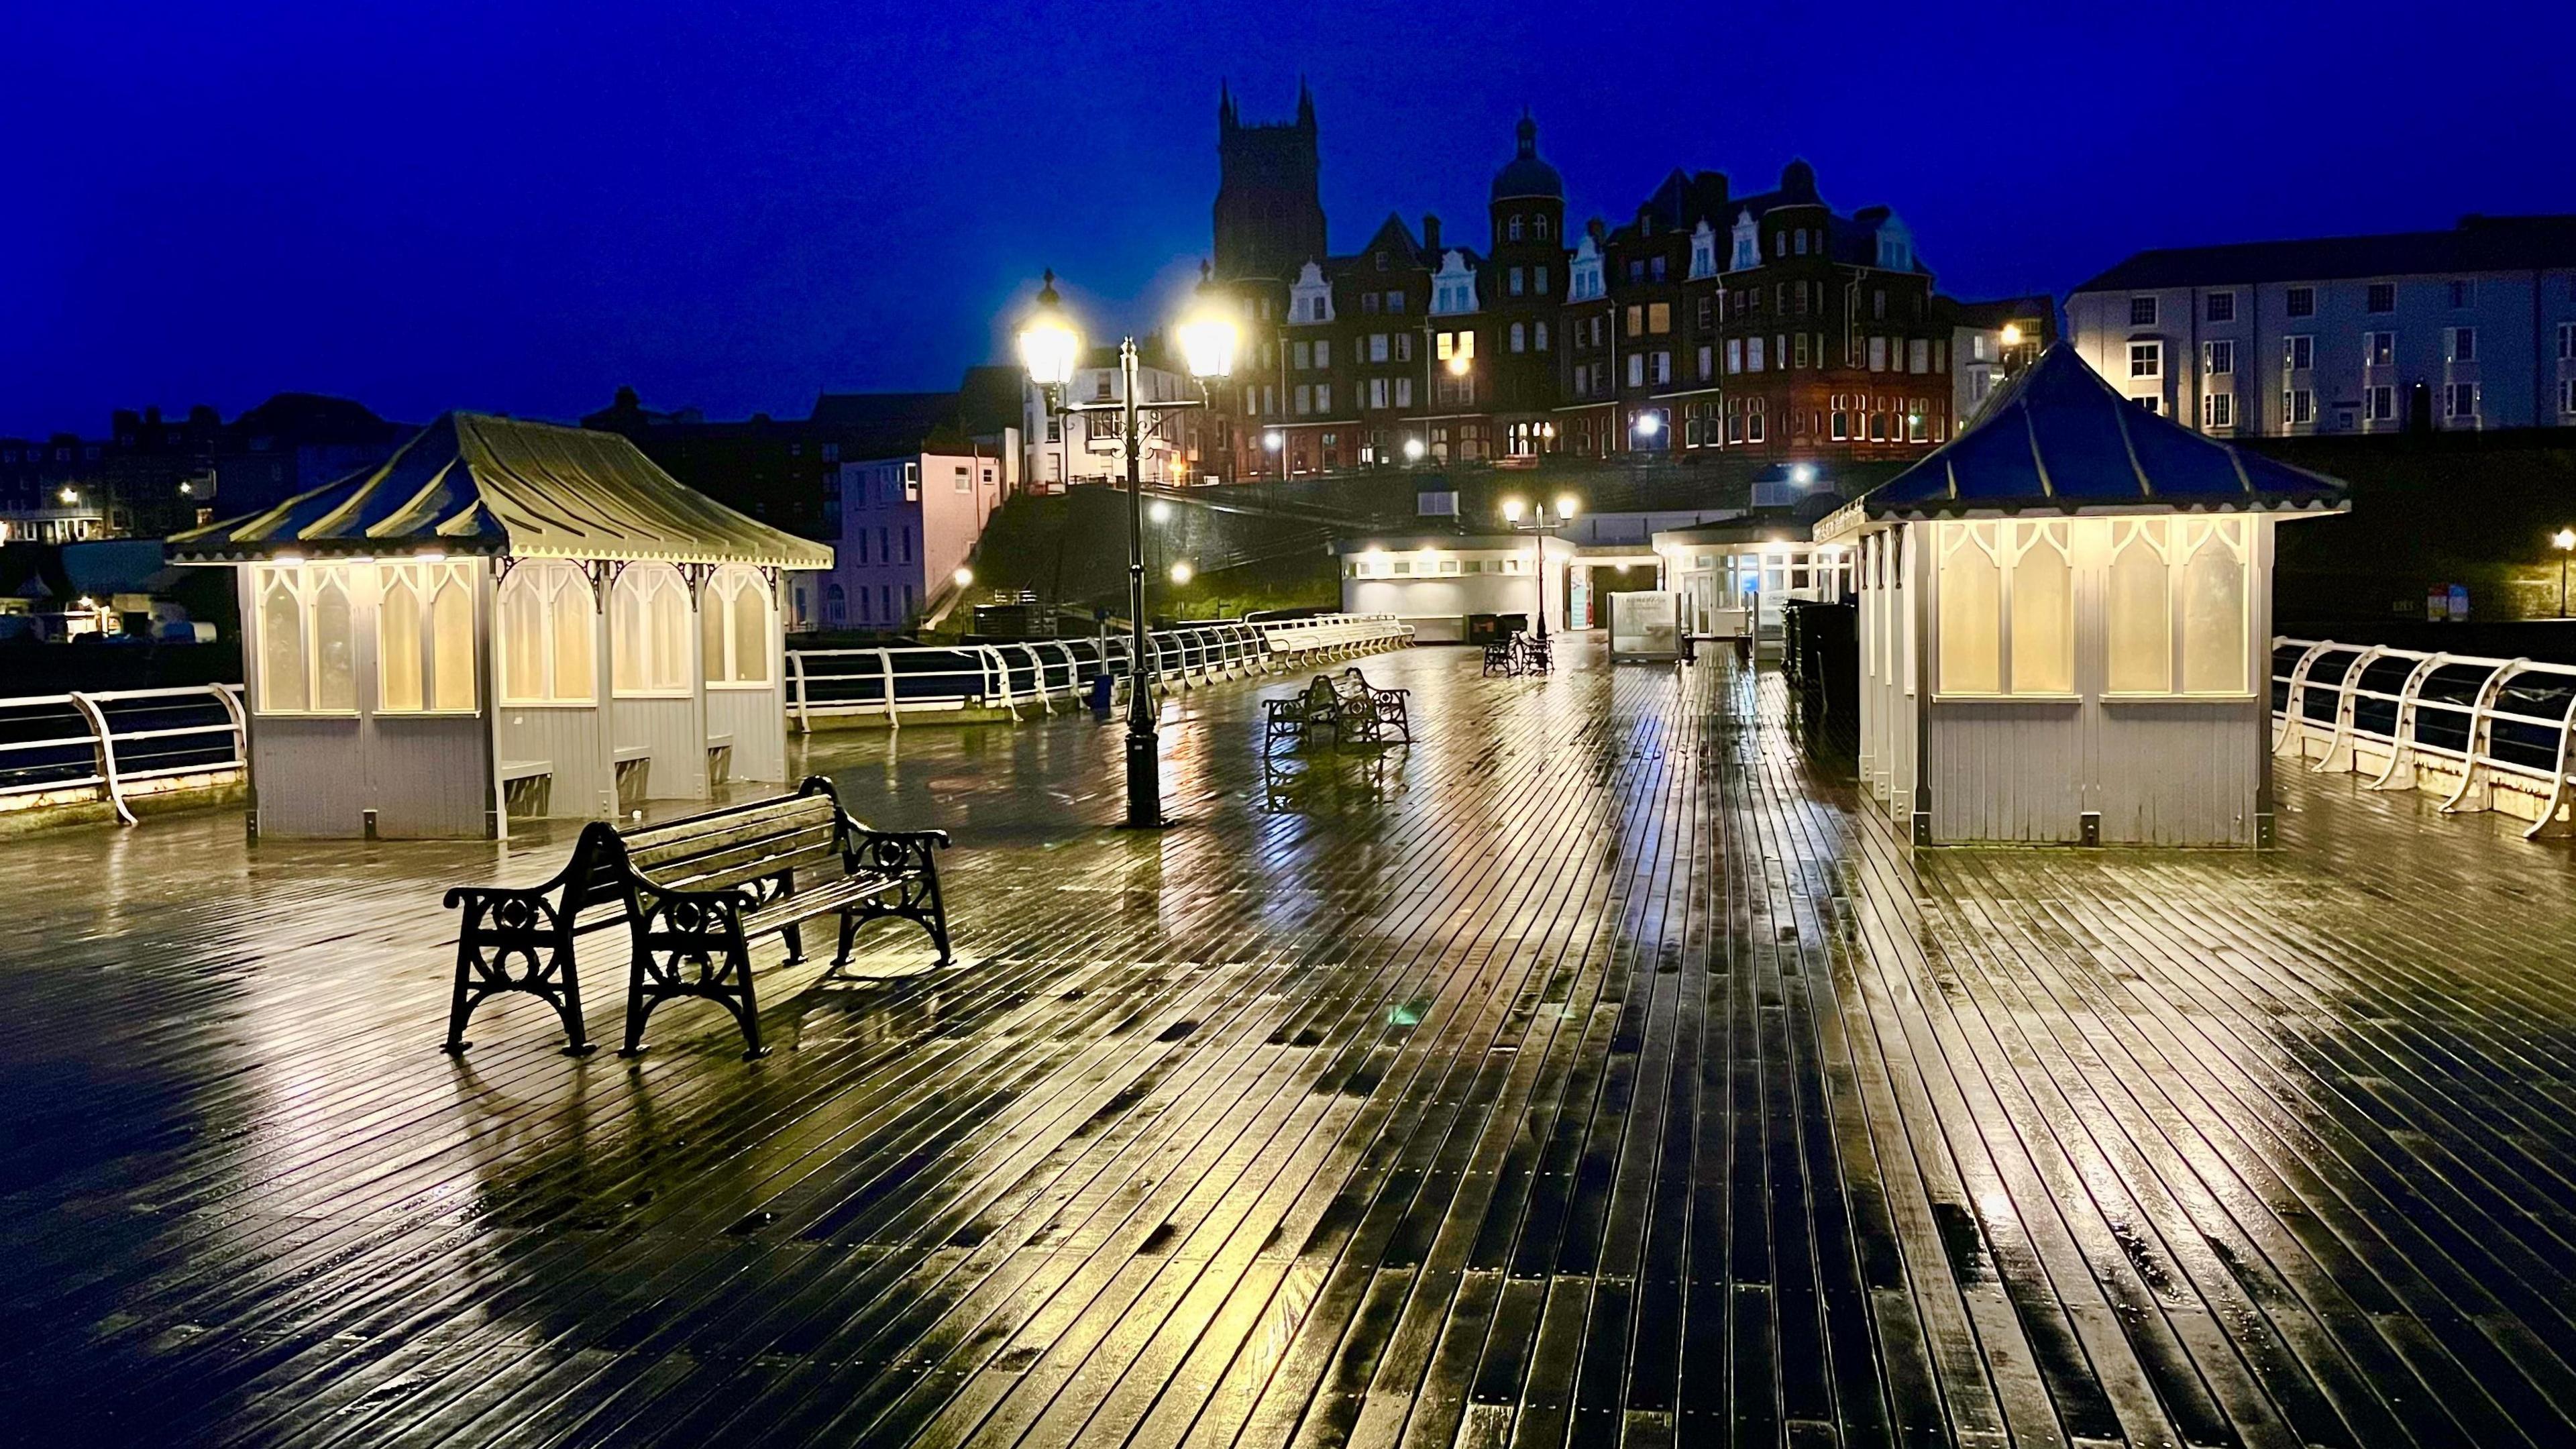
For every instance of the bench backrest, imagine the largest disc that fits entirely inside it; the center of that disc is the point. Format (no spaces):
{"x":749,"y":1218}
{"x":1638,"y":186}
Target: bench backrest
{"x":737,"y":846}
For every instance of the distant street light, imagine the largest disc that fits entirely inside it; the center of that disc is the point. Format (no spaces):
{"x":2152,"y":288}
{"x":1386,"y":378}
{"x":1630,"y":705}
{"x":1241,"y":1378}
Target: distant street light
{"x":1413,"y":450}
{"x":1181,"y":572}
{"x":1161,"y":512}
{"x":1048,"y":346}
{"x":964,"y":576}
{"x":2012,"y":335}
{"x":2565,"y":542}
{"x":1536,"y":521}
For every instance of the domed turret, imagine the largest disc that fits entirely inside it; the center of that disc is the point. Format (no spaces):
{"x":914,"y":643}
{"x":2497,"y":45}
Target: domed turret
{"x":1525,"y":174}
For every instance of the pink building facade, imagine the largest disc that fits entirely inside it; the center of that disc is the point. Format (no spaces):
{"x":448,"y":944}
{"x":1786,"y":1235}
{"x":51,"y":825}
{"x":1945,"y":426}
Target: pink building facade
{"x":908,"y":524}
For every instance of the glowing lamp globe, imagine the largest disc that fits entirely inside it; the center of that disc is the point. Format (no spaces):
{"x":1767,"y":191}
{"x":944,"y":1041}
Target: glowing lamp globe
{"x":1048,"y":343}
{"x":1208,"y":341}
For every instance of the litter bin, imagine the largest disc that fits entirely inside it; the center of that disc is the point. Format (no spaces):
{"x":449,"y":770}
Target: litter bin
{"x":1100,"y":687}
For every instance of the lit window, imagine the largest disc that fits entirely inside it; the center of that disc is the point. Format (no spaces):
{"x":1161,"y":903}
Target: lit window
{"x":2042,"y":607}
{"x":1971,"y":610}
{"x":308,"y":639}
{"x":649,"y":631}
{"x":2213,"y":605}
{"x":2140,"y":611}
{"x":425,"y":637}
{"x":734,"y":632}
{"x":548,"y":615}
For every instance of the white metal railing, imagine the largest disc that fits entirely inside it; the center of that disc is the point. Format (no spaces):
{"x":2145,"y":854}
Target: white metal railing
{"x":114,"y":745}
{"x":919,"y":679}
{"x":2483,"y":733}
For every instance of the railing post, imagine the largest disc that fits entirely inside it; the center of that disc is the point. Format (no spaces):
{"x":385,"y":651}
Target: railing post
{"x":885,"y":664}
{"x":2475,"y":793}
{"x":97,"y":718}
{"x":2400,"y":771}
{"x":804,"y":703}
{"x":2338,"y":758}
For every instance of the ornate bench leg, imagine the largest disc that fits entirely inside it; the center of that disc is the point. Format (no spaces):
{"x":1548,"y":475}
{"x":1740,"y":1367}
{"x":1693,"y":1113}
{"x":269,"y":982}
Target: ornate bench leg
{"x":745,"y":1006}
{"x":497,"y":936}
{"x":460,"y":1005}
{"x":639,"y":1005}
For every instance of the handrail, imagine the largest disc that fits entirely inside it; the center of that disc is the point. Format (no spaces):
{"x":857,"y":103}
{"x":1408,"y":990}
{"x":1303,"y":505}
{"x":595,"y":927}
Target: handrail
{"x":2486,"y":733}
{"x":914,"y":679}
{"x":113,"y":745}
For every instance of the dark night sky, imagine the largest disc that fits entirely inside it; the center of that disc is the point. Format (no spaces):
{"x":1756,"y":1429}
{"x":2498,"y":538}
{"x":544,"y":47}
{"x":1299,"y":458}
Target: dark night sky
{"x":520,"y":206}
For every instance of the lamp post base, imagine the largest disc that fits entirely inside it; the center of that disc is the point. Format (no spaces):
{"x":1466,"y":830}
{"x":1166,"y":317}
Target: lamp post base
{"x":1144,"y":782}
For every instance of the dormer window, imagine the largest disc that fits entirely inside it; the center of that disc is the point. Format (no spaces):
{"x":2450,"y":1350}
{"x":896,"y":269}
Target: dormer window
{"x":1895,"y":246}
{"x":1703,"y":252}
{"x":1538,"y":226}
{"x":1513,"y":228}
{"x":1381,"y":261}
{"x":1748,"y":245}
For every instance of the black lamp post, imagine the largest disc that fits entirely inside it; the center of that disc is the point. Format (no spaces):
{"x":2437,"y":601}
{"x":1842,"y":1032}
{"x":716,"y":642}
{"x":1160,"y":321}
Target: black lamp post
{"x":1048,"y":348}
{"x":1539,"y":522}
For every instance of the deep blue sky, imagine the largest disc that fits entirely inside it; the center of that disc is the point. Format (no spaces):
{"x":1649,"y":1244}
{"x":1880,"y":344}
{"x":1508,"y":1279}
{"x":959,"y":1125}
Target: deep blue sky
{"x":520,"y":206}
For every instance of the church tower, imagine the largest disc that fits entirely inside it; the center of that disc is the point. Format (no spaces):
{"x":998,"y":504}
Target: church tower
{"x":1269,"y":200}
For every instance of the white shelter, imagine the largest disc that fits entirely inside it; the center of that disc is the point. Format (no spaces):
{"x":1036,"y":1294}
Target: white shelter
{"x":1438,"y":582}
{"x":504,"y":618}
{"x":2064,"y":618}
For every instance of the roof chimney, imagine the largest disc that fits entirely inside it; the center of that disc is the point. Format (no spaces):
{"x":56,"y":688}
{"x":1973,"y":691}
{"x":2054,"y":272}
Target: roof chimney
{"x":1431,"y":234}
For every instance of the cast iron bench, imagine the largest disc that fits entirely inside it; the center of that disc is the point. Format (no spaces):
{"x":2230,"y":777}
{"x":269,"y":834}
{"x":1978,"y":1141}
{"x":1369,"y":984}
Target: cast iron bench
{"x":693,"y":895}
{"x":1387,"y":706}
{"x":1353,"y":715}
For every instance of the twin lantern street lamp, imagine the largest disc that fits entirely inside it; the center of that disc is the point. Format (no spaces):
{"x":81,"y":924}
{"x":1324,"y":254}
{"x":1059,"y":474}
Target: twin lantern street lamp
{"x":1049,"y":349}
{"x":1537,"y":520}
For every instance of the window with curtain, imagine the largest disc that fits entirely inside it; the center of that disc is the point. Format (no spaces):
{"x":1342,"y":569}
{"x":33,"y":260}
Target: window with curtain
{"x":548,"y":615}
{"x":2043,"y":611}
{"x":2213,"y":605}
{"x":1971,"y":610}
{"x":2139,"y":609}
{"x":734,"y":627}
{"x":308,"y":647}
{"x":425,"y":638}
{"x":649,"y":625}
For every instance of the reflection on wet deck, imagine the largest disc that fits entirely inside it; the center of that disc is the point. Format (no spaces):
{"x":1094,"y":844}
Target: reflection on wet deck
{"x":1583,"y":1073}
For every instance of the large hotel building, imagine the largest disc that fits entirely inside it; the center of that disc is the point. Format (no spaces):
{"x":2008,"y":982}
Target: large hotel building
{"x":1710,"y":321}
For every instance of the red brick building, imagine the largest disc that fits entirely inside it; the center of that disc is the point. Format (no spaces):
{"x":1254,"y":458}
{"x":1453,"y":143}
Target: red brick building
{"x":1708,"y":322}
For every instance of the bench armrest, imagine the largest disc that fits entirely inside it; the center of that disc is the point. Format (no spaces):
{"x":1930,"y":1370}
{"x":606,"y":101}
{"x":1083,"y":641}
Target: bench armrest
{"x":661,"y":907}
{"x":891,"y":852}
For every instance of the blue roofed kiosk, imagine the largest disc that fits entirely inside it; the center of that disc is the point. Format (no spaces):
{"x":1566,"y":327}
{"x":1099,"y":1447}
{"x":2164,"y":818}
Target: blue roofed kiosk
{"x":504,"y":618}
{"x":2064,"y":619}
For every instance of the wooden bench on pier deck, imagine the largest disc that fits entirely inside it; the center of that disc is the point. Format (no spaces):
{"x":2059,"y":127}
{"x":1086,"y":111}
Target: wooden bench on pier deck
{"x":693,"y":895}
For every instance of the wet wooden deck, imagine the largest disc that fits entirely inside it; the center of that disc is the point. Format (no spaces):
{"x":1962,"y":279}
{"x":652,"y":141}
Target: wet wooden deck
{"x":1585,"y":1074}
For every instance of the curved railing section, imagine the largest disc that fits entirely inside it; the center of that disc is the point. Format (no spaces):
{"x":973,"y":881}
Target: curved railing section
{"x":2482,"y":733}
{"x":892,"y":682}
{"x":85,"y":748}
{"x":115,"y":746}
